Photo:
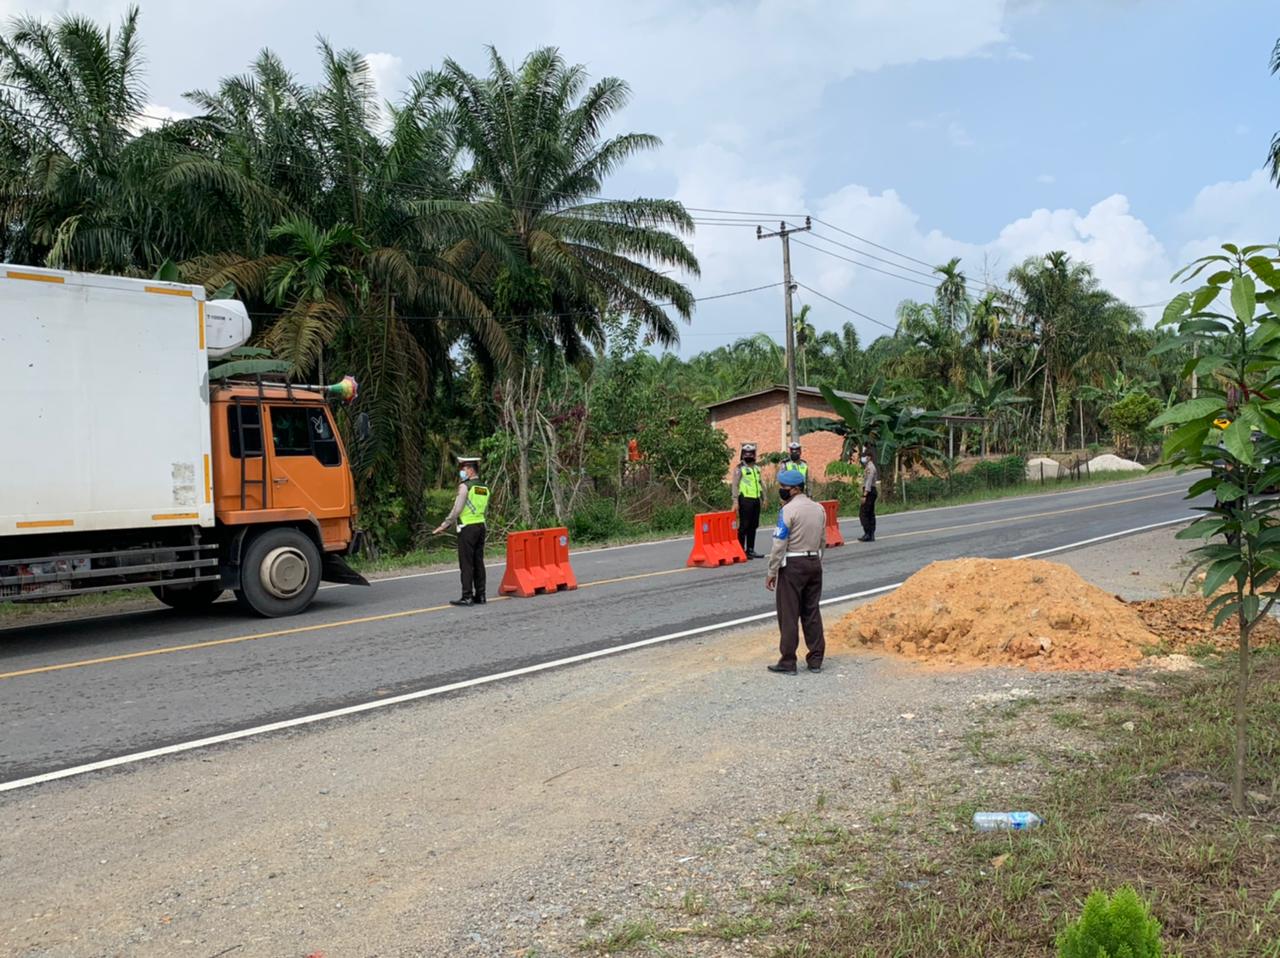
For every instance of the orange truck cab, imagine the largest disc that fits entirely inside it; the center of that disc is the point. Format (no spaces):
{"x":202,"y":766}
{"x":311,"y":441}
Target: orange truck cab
{"x":129,"y":463}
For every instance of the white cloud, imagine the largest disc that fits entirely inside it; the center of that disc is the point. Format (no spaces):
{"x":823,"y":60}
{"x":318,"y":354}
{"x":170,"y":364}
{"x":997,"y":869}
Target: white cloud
{"x":1235,"y":211}
{"x":958,"y":135}
{"x":387,"y":71}
{"x":154,"y":116}
{"x":1046,"y":178}
{"x":1127,"y":257}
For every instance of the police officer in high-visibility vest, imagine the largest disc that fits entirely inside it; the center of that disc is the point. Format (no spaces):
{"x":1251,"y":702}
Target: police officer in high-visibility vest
{"x":468,"y":512}
{"x":794,"y":462}
{"x":746,"y":492}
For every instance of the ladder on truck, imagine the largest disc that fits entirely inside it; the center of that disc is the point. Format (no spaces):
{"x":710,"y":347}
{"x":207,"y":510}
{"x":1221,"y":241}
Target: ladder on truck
{"x":243,"y":430}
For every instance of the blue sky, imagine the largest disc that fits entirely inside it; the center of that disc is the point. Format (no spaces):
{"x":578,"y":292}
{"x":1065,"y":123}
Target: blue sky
{"x":1129,"y":132}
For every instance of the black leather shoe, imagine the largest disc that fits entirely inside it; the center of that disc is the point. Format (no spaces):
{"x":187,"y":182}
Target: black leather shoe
{"x":754,"y":555}
{"x":814,"y":668}
{"x":479,"y":600}
{"x":866,"y":538}
{"x":465,"y":600}
{"x":781,"y":669}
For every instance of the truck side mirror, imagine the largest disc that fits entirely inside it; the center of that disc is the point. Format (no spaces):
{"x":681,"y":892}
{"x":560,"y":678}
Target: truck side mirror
{"x":363,"y":429}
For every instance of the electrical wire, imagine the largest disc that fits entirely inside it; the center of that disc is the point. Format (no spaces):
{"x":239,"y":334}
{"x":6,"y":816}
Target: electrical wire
{"x":569,"y":314}
{"x":845,"y":306}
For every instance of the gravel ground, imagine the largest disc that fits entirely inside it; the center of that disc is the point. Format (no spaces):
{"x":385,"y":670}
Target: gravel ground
{"x":513,"y":817}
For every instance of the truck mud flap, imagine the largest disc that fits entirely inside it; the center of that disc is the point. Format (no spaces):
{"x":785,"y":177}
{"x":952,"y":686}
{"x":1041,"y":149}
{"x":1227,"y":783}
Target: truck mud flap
{"x":335,"y":569}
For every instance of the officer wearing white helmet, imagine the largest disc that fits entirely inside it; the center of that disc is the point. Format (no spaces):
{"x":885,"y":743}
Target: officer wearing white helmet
{"x":794,"y":461}
{"x":746,"y":492}
{"x":795,"y":574}
{"x":469,"y":508}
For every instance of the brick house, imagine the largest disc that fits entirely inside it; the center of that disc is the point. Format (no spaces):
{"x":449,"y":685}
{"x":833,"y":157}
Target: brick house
{"x":763,"y":418}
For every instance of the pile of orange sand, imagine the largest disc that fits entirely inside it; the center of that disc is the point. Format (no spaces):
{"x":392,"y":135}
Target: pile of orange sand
{"x":1024,"y":612}
{"x":1184,"y":624}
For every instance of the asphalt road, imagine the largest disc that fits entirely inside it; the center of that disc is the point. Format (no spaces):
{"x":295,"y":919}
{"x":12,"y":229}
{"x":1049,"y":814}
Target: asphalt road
{"x":82,"y":691}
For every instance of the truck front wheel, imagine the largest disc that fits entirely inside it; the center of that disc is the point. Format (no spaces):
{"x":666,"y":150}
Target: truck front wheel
{"x":188,"y":598}
{"x":279,"y":573}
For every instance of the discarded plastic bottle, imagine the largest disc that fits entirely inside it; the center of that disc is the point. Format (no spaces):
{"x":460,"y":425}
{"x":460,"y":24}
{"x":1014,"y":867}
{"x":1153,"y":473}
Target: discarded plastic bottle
{"x":1006,"y":821}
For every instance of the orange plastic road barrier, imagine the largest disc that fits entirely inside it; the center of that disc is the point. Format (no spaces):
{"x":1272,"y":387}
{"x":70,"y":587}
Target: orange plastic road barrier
{"x":538,"y":561}
{"x":834,"y":538}
{"x":715,"y":540}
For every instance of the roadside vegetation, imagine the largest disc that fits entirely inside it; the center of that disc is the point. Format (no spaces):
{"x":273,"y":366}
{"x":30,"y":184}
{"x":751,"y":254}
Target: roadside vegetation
{"x":1134,"y":788}
{"x":493,"y":296}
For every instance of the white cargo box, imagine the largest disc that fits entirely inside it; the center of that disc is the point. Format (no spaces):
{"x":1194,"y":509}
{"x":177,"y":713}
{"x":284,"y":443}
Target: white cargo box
{"x":104,"y":403}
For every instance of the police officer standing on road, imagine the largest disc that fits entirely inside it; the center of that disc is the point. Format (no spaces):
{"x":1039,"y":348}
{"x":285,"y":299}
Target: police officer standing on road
{"x":795,"y":574}
{"x":468,"y":511}
{"x":746,"y":493}
{"x":870,"y":492}
{"x":793,"y":461}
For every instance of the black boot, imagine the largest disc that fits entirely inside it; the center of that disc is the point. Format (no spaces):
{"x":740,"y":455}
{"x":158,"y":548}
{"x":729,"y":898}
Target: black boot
{"x":465,"y":600}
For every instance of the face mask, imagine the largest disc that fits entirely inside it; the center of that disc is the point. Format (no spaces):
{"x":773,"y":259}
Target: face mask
{"x":863,"y":460}
{"x":462,"y":473}
{"x":785,"y":493}
{"x":795,"y":457}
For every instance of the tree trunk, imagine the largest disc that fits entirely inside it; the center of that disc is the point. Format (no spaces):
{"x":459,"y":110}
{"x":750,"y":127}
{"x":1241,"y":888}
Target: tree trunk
{"x":1242,"y":714}
{"x":1080,"y":406}
{"x":520,"y":418}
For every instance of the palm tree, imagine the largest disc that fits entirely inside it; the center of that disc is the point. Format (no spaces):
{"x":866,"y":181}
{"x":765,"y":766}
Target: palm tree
{"x":804,"y":336}
{"x":952,"y":295}
{"x":78,"y":187}
{"x":538,"y":163}
{"x":1273,"y":155}
{"x":984,"y":326}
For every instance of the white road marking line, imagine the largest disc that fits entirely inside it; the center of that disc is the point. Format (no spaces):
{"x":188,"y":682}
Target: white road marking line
{"x":180,"y":747}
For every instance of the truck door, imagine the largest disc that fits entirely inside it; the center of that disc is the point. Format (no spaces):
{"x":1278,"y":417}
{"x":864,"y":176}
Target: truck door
{"x":306,"y":462}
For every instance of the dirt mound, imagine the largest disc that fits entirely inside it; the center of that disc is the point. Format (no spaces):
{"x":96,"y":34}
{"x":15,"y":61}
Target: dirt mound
{"x":1025,"y":612}
{"x":1184,"y":624}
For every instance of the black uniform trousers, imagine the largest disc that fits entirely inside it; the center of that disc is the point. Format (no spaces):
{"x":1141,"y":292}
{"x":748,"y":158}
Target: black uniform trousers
{"x":748,"y":522}
{"x":867,"y":514}
{"x":471,"y":559}
{"x":798,"y":592}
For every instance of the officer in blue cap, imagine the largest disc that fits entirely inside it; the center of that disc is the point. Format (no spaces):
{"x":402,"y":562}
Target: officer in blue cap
{"x":795,"y":573}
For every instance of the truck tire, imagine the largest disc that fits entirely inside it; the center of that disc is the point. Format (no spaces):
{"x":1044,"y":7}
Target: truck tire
{"x":188,"y":598}
{"x":279,"y":573}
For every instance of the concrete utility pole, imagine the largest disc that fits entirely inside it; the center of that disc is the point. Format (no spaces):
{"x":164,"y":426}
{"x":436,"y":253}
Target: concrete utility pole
{"x":784,"y":232}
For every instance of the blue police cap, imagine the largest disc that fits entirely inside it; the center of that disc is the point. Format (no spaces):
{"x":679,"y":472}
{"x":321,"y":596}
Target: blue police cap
{"x":791,"y":477}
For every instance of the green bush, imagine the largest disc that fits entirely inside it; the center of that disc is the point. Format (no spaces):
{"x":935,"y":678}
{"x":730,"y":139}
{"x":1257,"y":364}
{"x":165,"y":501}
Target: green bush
{"x":597,"y":520}
{"x":677,"y":517}
{"x":1013,"y":470}
{"x":1117,"y":927}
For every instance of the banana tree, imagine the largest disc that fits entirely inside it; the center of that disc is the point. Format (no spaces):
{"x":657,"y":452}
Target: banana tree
{"x":900,"y":430}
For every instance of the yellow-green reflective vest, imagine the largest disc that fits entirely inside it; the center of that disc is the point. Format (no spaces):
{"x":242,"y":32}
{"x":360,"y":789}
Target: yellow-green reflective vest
{"x":801,"y":467}
{"x":477,"y":503}
{"x":749,"y":482}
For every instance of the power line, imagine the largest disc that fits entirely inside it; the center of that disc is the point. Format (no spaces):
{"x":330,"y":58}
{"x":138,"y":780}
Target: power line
{"x":856,"y":312}
{"x":877,"y":269}
{"x":569,"y":314}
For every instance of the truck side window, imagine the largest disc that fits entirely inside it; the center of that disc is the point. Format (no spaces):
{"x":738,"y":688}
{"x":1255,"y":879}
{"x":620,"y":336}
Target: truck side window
{"x":304,"y":431}
{"x":253,"y":434}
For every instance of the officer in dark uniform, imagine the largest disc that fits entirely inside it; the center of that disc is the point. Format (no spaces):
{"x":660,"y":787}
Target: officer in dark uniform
{"x":795,"y":574}
{"x":747,"y":489}
{"x":468,"y":512}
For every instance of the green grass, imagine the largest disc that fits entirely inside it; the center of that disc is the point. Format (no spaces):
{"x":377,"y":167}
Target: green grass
{"x":14,"y":612}
{"x":937,"y":888}
{"x":885,"y":506}
{"x":917,"y":880}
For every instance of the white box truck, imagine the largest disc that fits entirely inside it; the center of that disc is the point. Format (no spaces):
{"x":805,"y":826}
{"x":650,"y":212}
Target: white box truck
{"x":125,"y":466}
